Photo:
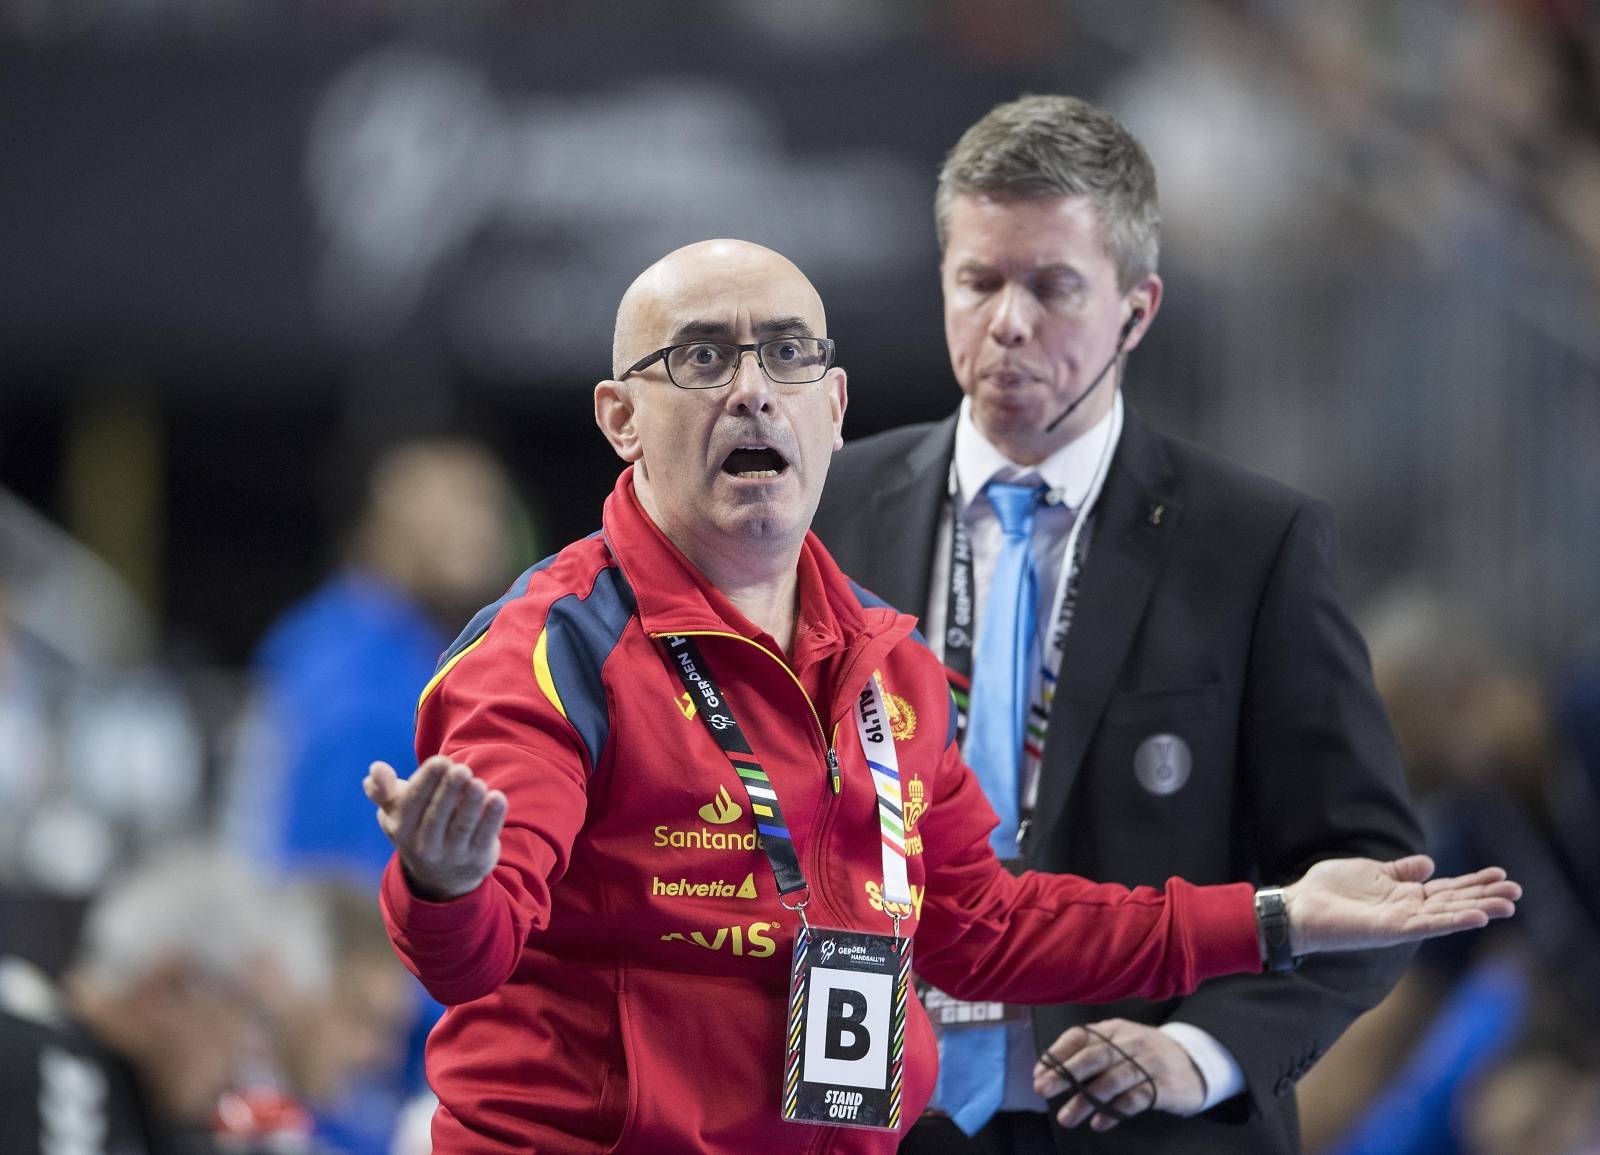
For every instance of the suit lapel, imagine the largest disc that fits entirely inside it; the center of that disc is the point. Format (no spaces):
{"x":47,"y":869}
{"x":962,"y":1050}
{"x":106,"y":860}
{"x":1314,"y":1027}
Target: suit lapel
{"x":904,"y":522}
{"x":1133,"y":531}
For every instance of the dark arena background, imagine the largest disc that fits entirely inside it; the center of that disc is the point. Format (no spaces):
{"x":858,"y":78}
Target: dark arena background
{"x":246,"y":246}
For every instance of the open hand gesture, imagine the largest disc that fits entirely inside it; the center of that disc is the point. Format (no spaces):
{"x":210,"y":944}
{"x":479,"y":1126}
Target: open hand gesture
{"x":1360,"y":903}
{"x":444,"y":821}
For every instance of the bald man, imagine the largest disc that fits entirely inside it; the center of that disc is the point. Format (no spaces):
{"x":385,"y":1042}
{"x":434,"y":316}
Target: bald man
{"x":714,"y":795}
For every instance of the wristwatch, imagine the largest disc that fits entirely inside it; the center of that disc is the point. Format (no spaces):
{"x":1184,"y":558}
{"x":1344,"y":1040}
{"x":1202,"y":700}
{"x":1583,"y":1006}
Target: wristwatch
{"x":1272,"y":928}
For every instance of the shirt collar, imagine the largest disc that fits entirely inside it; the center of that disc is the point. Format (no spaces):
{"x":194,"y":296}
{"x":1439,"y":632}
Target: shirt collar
{"x":673,"y":595}
{"x":1068,"y":472}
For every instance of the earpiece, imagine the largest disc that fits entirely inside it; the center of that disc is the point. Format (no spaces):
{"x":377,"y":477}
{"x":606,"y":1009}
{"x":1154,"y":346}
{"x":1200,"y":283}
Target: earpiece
{"x":1127,"y":330}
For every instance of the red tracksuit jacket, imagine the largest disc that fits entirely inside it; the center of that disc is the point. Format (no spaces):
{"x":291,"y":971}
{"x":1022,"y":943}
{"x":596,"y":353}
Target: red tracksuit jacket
{"x":619,"y":983}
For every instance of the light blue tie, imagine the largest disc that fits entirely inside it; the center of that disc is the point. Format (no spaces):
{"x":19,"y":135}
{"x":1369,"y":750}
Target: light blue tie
{"x":972,"y":1060}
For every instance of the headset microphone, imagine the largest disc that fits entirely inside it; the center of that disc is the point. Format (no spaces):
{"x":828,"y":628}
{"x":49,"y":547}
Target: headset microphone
{"x":1122,"y":339}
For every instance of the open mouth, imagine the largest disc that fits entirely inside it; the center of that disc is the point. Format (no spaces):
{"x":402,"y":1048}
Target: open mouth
{"x":754,"y":462}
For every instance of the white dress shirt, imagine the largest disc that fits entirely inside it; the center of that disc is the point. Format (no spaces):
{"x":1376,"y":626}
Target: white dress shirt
{"x":1072,"y":474}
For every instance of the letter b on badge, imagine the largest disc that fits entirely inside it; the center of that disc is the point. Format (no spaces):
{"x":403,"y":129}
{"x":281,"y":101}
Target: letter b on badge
{"x":852,"y":1047}
{"x":847,"y":1040}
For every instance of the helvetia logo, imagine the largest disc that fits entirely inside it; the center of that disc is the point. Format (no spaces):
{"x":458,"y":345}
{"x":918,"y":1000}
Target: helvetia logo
{"x":718,"y":888}
{"x":722,"y":809}
{"x":754,"y":941}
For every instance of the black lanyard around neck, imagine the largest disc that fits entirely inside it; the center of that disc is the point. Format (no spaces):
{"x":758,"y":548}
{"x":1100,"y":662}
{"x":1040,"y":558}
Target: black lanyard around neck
{"x":684,"y":657}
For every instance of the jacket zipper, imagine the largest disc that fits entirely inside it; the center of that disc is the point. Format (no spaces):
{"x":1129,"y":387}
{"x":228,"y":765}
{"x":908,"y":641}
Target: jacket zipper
{"x":831,"y":760}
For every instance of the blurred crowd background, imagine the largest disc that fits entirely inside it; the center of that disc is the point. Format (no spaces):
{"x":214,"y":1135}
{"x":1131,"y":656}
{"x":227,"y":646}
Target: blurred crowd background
{"x":302,"y":303}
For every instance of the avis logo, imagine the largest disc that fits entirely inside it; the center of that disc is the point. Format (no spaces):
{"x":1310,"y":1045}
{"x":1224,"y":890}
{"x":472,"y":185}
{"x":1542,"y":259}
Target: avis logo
{"x":722,"y":809}
{"x":752,"y":942}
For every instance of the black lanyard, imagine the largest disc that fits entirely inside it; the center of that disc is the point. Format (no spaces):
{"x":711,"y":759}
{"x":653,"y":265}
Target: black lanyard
{"x":714,"y":710}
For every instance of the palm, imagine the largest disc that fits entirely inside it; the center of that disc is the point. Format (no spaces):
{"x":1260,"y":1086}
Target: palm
{"x":444,"y":821}
{"x":1360,"y":903}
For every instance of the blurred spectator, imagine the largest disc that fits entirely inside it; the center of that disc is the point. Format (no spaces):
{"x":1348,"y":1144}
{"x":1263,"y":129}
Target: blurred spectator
{"x":185,"y":970}
{"x":100,"y":755}
{"x":1544,"y":1099}
{"x":344,"y":1050}
{"x":336,"y":683}
{"x":337,"y":677}
{"x":1435,"y":1069}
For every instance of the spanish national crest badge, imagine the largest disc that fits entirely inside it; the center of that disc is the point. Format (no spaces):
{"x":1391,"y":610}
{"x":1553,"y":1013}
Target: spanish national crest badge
{"x":902,"y":717}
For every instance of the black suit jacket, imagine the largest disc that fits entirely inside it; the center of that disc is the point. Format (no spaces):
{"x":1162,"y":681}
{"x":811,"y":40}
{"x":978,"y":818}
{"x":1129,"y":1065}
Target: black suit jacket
{"x":1209,"y":608}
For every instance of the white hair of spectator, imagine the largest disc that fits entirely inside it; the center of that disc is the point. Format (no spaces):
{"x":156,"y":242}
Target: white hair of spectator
{"x":196,"y":904}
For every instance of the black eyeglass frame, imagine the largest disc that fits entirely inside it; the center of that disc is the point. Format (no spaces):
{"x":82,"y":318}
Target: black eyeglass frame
{"x":755,"y":347}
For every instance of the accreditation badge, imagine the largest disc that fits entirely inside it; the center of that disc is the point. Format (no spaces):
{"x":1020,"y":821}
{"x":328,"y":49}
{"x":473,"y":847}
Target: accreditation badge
{"x":844,"y":1061}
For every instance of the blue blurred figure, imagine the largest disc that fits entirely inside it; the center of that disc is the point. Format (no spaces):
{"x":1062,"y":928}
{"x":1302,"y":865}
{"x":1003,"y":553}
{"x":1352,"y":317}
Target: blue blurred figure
{"x":335,"y":686}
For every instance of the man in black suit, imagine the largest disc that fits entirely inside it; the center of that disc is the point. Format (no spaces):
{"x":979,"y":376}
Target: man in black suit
{"x":1196,"y":699}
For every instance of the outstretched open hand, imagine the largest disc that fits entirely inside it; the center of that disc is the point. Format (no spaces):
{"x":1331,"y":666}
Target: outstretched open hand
{"x":444,"y":821}
{"x":1361,"y":903}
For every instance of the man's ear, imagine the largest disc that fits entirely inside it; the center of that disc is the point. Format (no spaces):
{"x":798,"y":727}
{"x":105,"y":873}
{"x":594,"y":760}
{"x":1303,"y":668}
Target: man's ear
{"x":839,"y":401}
{"x":1145,"y":300}
{"x":614,"y":413}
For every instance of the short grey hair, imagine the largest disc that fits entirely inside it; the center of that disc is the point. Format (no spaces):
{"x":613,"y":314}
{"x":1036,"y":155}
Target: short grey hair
{"x":200,"y":905}
{"x":1060,"y":146}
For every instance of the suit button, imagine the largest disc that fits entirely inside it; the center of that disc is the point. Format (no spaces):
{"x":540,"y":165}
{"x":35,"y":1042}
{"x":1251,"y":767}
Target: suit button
{"x":1285,"y":1085}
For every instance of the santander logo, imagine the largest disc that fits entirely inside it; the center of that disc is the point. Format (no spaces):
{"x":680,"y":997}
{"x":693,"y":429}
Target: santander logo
{"x":722,"y":809}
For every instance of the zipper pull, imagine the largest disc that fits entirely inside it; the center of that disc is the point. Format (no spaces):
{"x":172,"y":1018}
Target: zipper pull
{"x":833,"y":771}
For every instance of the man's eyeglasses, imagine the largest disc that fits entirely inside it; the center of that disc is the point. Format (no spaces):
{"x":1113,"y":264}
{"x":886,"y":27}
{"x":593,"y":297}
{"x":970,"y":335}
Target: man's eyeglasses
{"x":712,"y":364}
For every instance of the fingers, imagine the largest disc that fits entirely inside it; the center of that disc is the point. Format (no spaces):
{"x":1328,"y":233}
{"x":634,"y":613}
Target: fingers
{"x":1134,"y":1101}
{"x":1466,"y":916}
{"x":452,"y":785}
{"x":417,"y":796}
{"x":1072,"y":1041}
{"x":1105,"y":1074}
{"x":467,"y":812}
{"x":489,"y":823}
{"x":1122,"y":1087}
{"x":1415,"y":868}
{"x":1490,"y":906}
{"x":1469,"y":909}
{"x":1489,"y":876}
{"x":381,"y":784}
{"x":1500,"y":894}
{"x":1470,"y":900}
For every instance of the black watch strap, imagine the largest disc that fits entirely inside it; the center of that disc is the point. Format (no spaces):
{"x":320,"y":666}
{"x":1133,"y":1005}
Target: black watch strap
{"x":1272,"y":925}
